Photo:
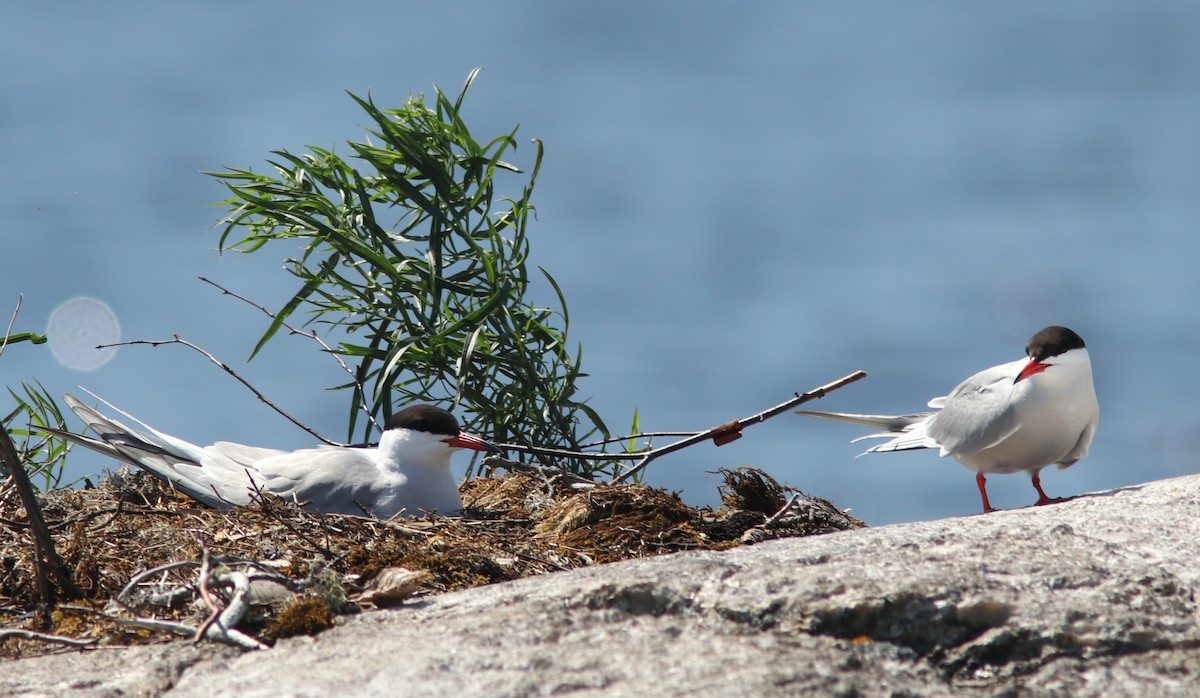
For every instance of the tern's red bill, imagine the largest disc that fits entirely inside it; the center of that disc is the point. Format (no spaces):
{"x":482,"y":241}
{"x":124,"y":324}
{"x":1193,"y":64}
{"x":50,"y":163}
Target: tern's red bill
{"x":1032,"y":368}
{"x":465,"y":440}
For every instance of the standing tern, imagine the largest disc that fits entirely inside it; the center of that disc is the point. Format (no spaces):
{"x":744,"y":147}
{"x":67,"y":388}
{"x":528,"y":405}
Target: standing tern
{"x":408,"y":473}
{"x":1022,"y":415}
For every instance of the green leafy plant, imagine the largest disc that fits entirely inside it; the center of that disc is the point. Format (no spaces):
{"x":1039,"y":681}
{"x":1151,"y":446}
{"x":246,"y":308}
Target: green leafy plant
{"x":417,"y":265}
{"x":39,"y":454}
{"x":42,"y":455}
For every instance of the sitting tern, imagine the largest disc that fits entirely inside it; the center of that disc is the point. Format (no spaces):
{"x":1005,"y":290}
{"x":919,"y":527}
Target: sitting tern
{"x":1022,"y":415}
{"x":408,"y":473}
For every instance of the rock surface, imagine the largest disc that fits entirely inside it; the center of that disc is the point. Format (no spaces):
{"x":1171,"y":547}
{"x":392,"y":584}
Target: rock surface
{"x":1096,"y":596}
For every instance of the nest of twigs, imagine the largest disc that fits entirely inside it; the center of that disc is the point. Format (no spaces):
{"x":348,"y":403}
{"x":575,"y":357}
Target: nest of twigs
{"x":149,"y":565}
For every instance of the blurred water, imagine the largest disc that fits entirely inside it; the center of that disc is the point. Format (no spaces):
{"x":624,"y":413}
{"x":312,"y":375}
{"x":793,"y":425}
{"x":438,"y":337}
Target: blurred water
{"x":739,"y":204}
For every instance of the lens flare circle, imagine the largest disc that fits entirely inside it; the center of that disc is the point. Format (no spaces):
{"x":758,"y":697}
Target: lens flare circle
{"x":77,"y":327}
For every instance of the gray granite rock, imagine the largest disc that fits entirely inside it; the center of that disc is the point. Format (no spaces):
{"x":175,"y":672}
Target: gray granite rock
{"x":1093,"y":597}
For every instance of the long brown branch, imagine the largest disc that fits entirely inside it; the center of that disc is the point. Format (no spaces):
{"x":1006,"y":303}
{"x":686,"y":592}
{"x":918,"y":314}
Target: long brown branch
{"x":720,"y":434}
{"x":637,"y":436}
{"x":733,"y":430}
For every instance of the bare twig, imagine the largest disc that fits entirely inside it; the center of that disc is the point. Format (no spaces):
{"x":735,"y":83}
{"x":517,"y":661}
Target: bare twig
{"x":205,"y":594}
{"x":257,"y":496}
{"x":516,"y":466}
{"x":113,"y":512}
{"x":47,"y":564}
{"x":230,"y":371}
{"x":11,"y":321}
{"x":239,"y":602}
{"x":311,"y":335}
{"x":122,"y":598}
{"x":586,"y":455}
{"x":639,"y":435}
{"x":43,"y":637}
{"x":720,"y":435}
{"x":147,"y":623}
{"x":407,"y":527}
{"x":774,"y":518}
{"x":732,"y":430}
{"x":219,"y":625}
{"x":158,"y":624}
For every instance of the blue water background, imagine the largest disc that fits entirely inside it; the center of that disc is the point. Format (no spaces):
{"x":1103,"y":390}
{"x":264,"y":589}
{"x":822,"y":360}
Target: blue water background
{"x":739,"y":200}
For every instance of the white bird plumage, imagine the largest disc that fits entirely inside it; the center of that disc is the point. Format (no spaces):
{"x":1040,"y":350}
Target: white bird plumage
{"x":1018,"y":416}
{"x":407,"y":473}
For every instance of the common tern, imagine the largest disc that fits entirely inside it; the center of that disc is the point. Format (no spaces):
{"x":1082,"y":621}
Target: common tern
{"x":407,"y":473}
{"x":1018,"y":416}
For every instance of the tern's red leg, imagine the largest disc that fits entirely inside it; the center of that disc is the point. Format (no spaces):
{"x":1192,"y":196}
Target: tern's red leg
{"x":982,"y":482}
{"x":1043,"y":498}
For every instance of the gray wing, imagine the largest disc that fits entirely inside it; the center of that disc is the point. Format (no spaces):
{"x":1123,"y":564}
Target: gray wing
{"x":333,"y":480}
{"x":978,"y":414}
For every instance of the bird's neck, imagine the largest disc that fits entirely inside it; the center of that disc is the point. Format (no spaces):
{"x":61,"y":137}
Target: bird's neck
{"x":406,"y":451}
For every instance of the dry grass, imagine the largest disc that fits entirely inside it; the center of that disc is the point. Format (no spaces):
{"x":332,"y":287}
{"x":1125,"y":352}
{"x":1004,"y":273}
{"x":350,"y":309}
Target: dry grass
{"x":308,"y":567}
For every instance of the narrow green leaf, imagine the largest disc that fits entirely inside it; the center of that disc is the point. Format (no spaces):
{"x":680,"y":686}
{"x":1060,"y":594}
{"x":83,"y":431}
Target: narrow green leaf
{"x":290,"y":307}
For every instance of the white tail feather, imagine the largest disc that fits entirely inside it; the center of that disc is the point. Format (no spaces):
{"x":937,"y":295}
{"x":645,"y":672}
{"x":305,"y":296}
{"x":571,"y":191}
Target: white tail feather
{"x":906,"y":431}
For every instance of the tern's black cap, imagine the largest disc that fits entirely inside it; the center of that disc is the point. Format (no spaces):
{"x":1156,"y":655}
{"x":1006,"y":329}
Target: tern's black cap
{"x":427,"y":418}
{"x":1052,"y":341}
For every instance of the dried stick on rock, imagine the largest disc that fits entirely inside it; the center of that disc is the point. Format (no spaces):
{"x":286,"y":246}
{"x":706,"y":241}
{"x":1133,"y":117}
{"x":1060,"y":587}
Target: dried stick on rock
{"x":205,"y":595}
{"x":222,"y":628}
{"x":733,"y":430}
{"x":220,"y":623}
{"x":43,"y":637}
{"x":147,"y":623}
